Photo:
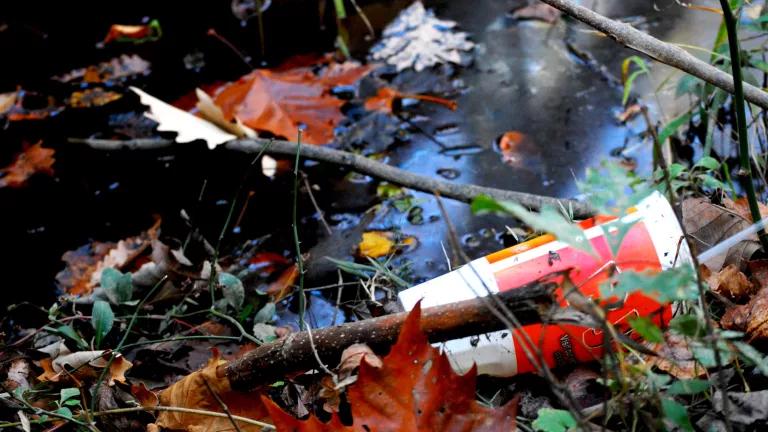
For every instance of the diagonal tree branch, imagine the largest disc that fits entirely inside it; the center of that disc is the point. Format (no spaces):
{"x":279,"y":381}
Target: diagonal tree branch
{"x":663,"y":52}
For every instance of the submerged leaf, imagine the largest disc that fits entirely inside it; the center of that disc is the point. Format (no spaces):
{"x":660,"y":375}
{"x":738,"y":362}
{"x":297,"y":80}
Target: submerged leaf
{"x":32,"y":160}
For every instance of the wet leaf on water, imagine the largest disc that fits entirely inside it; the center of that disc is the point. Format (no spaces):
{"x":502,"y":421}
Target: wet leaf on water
{"x":415,"y":389}
{"x":134,"y":33}
{"x":386,"y":98}
{"x":417,"y":39}
{"x":280,"y":100}
{"x":537,"y":11}
{"x":102,"y":319}
{"x":92,"y":97}
{"x":32,"y":160}
{"x":118,"y":68}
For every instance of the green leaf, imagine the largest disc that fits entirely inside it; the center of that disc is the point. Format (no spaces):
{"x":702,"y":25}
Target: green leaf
{"x":708,"y":162}
{"x":670,"y":285}
{"x":66,"y":394}
{"x":688,"y":387}
{"x":64,"y":411}
{"x":628,"y":85}
{"x":548,"y":220}
{"x":705,"y":355}
{"x":232,"y":289}
{"x":676,"y":413}
{"x":553,"y":420}
{"x":265,"y":314}
{"x":69,"y":332}
{"x":753,"y":357}
{"x":611,"y":189}
{"x":647,"y":329}
{"x":102,"y":319}
{"x":688,"y":325}
{"x":117,"y":286}
{"x":673,"y":126}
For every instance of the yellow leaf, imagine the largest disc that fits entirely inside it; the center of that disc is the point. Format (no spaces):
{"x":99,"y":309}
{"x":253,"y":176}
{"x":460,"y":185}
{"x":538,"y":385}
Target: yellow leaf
{"x":376,"y":244}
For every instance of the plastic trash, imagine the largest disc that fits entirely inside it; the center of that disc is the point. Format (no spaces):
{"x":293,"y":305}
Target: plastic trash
{"x":652,"y":243}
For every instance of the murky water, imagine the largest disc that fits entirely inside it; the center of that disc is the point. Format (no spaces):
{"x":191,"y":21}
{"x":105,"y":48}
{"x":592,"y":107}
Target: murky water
{"x":525,"y":78}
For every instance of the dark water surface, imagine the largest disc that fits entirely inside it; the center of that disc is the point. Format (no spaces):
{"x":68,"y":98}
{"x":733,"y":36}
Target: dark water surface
{"x":525,"y":78}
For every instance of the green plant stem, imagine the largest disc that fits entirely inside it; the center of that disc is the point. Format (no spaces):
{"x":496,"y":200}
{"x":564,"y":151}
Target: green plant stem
{"x":741,"y":117}
{"x":295,"y":216}
{"x":180,"y":338}
{"x":128,"y":329}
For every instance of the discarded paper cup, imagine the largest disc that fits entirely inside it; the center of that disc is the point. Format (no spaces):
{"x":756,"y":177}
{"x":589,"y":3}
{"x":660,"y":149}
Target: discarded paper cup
{"x":652,"y":243}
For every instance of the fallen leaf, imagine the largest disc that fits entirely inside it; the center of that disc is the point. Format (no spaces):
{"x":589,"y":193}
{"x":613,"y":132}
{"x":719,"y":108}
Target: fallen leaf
{"x":17,"y":375}
{"x":84,"y":363}
{"x":85,"y":264}
{"x":514,"y":147}
{"x":385,"y":99}
{"x":145,"y":396}
{"x":211,"y":112}
{"x":709,"y":224}
{"x":284,"y":284}
{"x":418,"y":40}
{"x":376,"y":244}
{"x":188,"y":127}
{"x":353,"y":355}
{"x":537,"y":11}
{"x":279,"y":101}
{"x":741,"y":207}
{"x":133,"y":33}
{"x":416,"y":389}
{"x":122,"y":67}
{"x":629,"y":113}
{"x":751,"y":318}
{"x":732,"y":283}
{"x":192,"y":392}
{"x":32,"y":160}
{"x":748,"y":409}
{"x":676,"y":358}
{"x":7,"y":101}
{"x":92,"y":97}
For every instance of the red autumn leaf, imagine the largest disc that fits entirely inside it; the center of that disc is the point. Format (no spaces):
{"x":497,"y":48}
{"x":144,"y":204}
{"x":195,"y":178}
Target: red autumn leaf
{"x":385,"y":99}
{"x":32,"y":160}
{"x":279,"y":101}
{"x":135,"y":33}
{"x":415,"y":390}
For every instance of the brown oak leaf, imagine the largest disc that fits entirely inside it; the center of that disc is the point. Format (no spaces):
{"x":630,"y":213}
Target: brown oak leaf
{"x":751,"y":318}
{"x":731,"y":283}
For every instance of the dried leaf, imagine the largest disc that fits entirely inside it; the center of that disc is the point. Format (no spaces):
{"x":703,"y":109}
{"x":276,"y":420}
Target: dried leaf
{"x":92,"y":97}
{"x":419,"y":40}
{"x":537,"y":11}
{"x":416,"y":389}
{"x":211,"y":112}
{"x":751,"y":318}
{"x":86,"y":364}
{"x":741,"y":207}
{"x":7,"y":101}
{"x":732,"y":283}
{"x":385,"y":98}
{"x":279,"y":101}
{"x":32,"y":160}
{"x":188,"y":126}
{"x":708,"y":224}
{"x":353,"y":355}
{"x":676,"y":358}
{"x":117,"y":68}
{"x":18,"y":375}
{"x":192,"y":392}
{"x":144,"y":396}
{"x":284,"y":284}
{"x":133,"y":33}
{"x":376,"y":244}
{"x":629,"y":113}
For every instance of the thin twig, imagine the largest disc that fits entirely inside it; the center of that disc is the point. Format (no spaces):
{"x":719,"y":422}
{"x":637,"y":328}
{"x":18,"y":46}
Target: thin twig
{"x":459,"y":256}
{"x":319,"y":211}
{"x":221,"y":403}
{"x":246,"y":420}
{"x":297,"y":243}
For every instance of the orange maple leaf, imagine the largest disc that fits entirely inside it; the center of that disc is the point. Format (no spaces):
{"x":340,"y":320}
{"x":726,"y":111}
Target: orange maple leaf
{"x":385,"y":98}
{"x":33,"y":159}
{"x":280,"y":100}
{"x":415,"y":390}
